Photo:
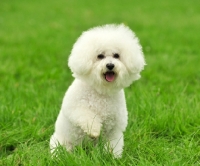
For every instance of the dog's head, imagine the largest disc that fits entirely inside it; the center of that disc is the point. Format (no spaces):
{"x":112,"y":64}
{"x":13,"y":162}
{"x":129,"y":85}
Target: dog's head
{"x":107,"y":57}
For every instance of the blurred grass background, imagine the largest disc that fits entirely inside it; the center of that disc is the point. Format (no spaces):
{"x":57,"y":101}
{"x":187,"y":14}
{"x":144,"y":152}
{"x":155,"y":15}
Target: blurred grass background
{"x":164,"y":111}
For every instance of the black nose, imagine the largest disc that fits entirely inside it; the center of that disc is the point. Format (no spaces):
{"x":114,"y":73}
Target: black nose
{"x":110,"y":66}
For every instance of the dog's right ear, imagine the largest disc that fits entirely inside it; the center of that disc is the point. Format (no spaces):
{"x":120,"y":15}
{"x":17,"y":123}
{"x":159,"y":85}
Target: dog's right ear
{"x":80,"y":61}
{"x":79,"y":65}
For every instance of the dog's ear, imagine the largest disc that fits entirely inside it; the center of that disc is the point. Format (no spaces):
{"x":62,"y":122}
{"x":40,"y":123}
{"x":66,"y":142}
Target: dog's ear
{"x":133,"y":57}
{"x":79,"y":65}
{"x":134,"y":60}
{"x":80,"y":61}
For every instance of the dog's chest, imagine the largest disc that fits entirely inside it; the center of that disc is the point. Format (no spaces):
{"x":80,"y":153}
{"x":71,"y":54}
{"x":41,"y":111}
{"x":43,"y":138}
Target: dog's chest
{"x":105,"y":107}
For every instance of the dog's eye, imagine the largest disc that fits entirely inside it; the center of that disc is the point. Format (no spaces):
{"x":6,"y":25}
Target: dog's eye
{"x":116,"y":56}
{"x":100,"y":56}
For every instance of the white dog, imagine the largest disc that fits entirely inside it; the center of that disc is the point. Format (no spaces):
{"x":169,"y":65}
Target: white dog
{"x":104,"y":60}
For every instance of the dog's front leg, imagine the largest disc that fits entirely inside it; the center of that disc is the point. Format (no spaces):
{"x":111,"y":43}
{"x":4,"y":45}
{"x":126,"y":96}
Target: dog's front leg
{"x":87,"y":120}
{"x":115,"y":143}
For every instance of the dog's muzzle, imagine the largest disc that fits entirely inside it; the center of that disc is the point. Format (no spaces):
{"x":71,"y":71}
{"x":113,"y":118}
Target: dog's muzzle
{"x":110,"y":75}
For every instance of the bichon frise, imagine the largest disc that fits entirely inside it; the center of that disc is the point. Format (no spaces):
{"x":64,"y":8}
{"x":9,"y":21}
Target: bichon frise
{"x":104,"y":60}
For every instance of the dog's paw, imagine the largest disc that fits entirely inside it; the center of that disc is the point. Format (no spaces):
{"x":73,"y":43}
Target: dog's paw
{"x":94,"y":135}
{"x":93,"y":130}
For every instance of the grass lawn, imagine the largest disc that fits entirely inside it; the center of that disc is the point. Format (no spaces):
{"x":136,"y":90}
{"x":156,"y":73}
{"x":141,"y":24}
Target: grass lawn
{"x":164,"y":105}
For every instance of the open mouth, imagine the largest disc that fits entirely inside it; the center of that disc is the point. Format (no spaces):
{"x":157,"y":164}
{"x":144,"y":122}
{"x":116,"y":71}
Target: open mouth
{"x":109,"y":76}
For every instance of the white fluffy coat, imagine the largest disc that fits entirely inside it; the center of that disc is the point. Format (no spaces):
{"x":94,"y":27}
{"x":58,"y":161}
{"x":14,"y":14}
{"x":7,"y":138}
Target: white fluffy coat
{"x":95,"y":103}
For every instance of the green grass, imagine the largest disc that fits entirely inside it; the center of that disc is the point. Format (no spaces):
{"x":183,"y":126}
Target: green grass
{"x":164,"y":105}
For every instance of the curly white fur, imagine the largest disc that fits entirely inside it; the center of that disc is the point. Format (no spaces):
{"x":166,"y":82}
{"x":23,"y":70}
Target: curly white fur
{"x":104,"y":60}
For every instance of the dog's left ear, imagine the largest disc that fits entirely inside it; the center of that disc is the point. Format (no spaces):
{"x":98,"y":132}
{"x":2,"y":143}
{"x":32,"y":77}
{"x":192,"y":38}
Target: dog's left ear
{"x":133,"y":55}
{"x":135,"y":62}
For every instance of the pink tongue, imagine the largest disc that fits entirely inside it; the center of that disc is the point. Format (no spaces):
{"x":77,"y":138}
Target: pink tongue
{"x":110,"y":76}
